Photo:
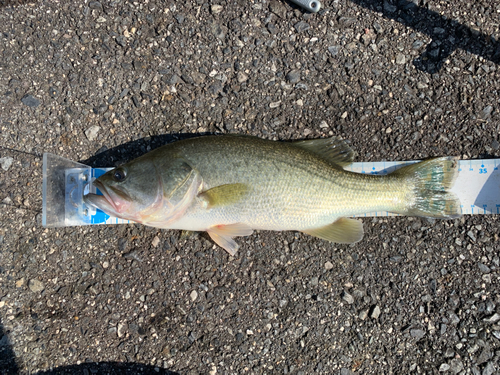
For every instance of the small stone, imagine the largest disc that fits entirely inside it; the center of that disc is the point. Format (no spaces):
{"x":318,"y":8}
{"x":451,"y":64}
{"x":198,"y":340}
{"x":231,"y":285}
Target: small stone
{"x":489,"y":369}
{"x":274,"y":104}
{"x":193,"y":295}
{"x":242,"y":77}
{"x":323,"y":124}
{"x":417,"y":333}
{"x":122,"y":328}
{"x":484,"y":268}
{"x":422,"y":85}
{"x":111,"y":330}
{"x":328,"y":265}
{"x":155,"y":242}
{"x":495,"y":145}
{"x":20,"y":282}
{"x":6,"y":162}
{"x":277,"y":8}
{"x":456,"y":366}
{"x":105,"y":264}
{"x":400,"y":59}
{"x":363,"y":314}
{"x":216,"y":9}
{"x":492,"y":319}
{"x":293,"y":76}
{"x":334,"y":50}
{"x":36,"y":285}
{"x":91,"y":133}
{"x":444,"y":367}
{"x":301,"y":26}
{"x":375,"y":312}
{"x":30,"y":101}
{"x":348,"y":298}
{"x":486,"y":112}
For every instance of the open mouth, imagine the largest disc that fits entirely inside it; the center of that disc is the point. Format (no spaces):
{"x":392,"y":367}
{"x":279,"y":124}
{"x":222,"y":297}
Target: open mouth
{"x":110,"y":201}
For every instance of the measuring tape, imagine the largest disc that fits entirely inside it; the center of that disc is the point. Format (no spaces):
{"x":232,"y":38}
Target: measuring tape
{"x":477,"y":186}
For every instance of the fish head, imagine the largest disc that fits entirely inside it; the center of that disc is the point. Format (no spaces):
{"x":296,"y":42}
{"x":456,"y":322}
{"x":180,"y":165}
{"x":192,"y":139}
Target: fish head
{"x":147,"y":190}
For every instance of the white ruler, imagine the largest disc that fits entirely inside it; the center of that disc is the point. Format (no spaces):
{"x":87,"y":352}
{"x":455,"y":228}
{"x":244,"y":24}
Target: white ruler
{"x":477,"y":185}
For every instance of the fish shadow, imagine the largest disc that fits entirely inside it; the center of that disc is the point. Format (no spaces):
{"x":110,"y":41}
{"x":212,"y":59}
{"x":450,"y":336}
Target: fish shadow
{"x":123,"y":153}
{"x":490,"y":192}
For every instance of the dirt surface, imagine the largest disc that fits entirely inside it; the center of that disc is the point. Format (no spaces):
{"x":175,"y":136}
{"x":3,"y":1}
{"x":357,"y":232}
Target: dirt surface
{"x":102,"y":82}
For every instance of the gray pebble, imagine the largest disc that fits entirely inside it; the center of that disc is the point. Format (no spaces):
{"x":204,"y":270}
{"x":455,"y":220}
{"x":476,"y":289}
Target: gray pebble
{"x":375,"y":312}
{"x":293,"y":76}
{"x":495,"y":145}
{"x":30,"y":101}
{"x":492,"y":319}
{"x":334,"y":50}
{"x":456,"y":366}
{"x":91,"y":133}
{"x":489,"y":369}
{"x":486,"y":112}
{"x":400,"y":59}
{"x":417,"y":333}
{"x":484,"y":268}
{"x":6,"y":162}
{"x":444,"y":367}
{"x":348,"y":298}
{"x":301,"y":26}
{"x":36,"y":285}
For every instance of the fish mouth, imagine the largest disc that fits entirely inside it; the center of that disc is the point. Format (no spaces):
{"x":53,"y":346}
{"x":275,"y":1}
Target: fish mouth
{"x":113,"y":201}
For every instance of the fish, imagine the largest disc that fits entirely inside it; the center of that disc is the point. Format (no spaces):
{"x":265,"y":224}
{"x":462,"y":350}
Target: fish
{"x":231,"y":185}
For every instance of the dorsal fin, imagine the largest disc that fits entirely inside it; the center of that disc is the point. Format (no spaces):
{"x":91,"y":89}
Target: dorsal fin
{"x":334,"y":149}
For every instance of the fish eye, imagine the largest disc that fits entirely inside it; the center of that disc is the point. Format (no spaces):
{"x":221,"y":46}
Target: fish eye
{"x":119,"y":175}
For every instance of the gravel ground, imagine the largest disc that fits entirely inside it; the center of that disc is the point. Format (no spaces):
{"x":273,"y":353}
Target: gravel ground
{"x":102,"y":82}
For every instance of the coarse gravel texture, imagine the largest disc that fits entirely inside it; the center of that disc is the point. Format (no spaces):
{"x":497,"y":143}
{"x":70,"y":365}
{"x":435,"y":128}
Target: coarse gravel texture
{"x":104,"y":81}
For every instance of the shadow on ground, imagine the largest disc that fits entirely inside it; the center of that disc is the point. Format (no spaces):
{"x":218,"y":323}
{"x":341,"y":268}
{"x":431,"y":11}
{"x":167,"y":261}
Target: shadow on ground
{"x":447,"y":35}
{"x":128,"y":151}
{"x":8,"y":363}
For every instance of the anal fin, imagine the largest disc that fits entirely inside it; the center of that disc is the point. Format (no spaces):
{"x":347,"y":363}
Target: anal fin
{"x":343,"y":230}
{"x":223,"y":235}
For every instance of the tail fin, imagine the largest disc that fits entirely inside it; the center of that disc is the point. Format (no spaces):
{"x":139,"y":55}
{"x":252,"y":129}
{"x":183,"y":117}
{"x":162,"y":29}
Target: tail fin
{"x":432,"y":179}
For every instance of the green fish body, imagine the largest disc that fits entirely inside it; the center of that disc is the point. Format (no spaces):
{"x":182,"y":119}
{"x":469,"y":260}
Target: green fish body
{"x":231,"y":185}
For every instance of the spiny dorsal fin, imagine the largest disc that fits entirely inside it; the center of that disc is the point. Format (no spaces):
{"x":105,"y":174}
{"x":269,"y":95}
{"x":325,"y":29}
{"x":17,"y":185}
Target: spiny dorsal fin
{"x":224,"y":195}
{"x":333,"y":149}
{"x":344,"y":230}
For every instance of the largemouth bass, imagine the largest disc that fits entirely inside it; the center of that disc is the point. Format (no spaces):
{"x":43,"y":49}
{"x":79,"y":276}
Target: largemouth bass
{"x":230,"y":185}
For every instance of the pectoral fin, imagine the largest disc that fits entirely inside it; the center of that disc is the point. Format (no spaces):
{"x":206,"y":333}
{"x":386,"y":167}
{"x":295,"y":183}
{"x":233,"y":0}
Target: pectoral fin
{"x":341,"y":231}
{"x":222,"y":235}
{"x":224,"y":195}
{"x":333,"y":149}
